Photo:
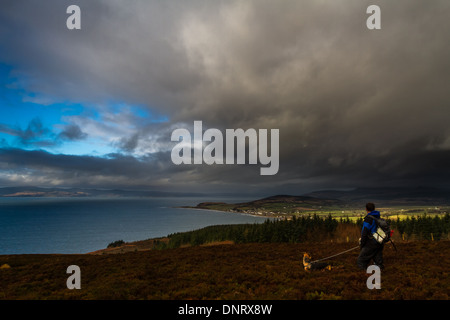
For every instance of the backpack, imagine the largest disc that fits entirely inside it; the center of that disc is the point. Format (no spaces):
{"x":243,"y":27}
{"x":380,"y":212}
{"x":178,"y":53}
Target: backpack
{"x":383,"y":232}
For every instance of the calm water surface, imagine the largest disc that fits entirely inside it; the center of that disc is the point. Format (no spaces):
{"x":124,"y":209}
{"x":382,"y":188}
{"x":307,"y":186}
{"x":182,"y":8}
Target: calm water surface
{"x":75,"y":225}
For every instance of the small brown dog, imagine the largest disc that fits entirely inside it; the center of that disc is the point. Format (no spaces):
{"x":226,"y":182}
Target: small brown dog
{"x":308,"y":265}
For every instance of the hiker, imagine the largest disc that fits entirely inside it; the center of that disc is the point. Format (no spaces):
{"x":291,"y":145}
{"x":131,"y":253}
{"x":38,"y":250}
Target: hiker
{"x":369,"y":247}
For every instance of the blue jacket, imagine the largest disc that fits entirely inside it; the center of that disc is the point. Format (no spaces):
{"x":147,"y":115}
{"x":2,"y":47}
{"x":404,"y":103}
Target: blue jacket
{"x":369,"y":227}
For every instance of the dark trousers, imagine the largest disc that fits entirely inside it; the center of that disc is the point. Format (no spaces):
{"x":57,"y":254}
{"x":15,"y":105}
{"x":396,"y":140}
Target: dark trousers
{"x":371,"y":250}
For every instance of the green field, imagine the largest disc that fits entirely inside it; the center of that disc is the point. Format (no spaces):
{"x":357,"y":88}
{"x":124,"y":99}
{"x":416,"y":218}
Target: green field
{"x":279,"y":208}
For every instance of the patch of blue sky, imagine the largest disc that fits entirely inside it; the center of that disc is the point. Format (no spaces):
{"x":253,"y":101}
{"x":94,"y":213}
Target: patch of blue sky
{"x":18,"y":107}
{"x":151,"y":116}
{"x":87,"y":147}
{"x":6,"y":140}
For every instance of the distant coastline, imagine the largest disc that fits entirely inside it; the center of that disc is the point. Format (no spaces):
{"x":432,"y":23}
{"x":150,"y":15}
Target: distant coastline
{"x":339,"y":203}
{"x":280,"y":206}
{"x":253,"y":214}
{"x":40,"y":192}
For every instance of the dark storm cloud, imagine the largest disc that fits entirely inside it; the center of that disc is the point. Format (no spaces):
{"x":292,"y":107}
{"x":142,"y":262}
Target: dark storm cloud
{"x":129,"y":144}
{"x":352,"y":105}
{"x":22,"y":167}
{"x":72,"y":132}
{"x":36,"y":134}
{"x":74,"y":170}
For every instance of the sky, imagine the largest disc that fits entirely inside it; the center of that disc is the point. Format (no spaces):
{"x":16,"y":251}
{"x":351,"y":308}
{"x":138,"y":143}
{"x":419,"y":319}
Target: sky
{"x":96,"y":107}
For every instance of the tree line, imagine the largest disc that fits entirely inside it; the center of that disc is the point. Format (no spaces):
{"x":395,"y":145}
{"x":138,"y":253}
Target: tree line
{"x":298,"y":229}
{"x":305,"y":228}
{"x":423,"y":227}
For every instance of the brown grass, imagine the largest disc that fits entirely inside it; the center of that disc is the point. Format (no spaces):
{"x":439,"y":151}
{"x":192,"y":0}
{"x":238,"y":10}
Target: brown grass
{"x":419,"y":270}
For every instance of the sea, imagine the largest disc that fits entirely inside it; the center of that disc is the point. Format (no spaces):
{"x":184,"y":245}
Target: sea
{"x":83,"y":225}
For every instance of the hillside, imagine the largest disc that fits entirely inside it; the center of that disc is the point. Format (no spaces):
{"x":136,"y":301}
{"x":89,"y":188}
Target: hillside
{"x":419,"y":270}
{"x":327,"y":201}
{"x":274,"y":206}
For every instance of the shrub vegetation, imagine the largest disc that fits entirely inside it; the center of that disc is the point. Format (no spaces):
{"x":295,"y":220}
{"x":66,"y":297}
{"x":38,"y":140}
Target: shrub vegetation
{"x":115,"y":244}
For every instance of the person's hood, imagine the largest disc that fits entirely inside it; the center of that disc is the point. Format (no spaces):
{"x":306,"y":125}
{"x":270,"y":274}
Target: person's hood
{"x":374,"y":213}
